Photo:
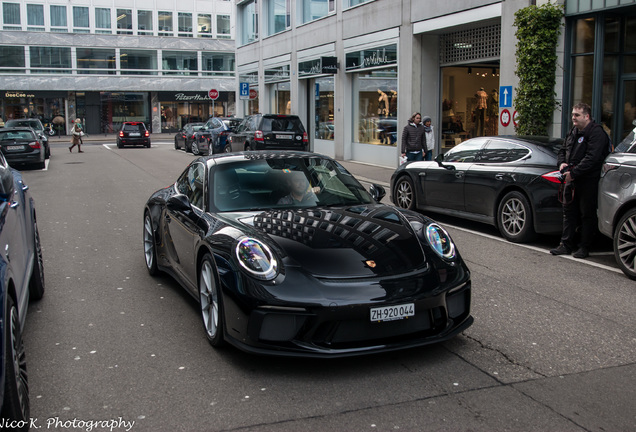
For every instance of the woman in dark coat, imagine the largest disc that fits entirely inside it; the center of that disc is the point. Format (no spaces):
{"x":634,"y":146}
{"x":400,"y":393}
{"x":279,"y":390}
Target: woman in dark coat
{"x":413,"y":139}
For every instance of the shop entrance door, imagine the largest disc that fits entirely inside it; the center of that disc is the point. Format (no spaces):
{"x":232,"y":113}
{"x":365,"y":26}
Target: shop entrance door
{"x":628,"y":103}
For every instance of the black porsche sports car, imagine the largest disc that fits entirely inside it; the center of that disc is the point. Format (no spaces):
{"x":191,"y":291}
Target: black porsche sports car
{"x":289,"y":255}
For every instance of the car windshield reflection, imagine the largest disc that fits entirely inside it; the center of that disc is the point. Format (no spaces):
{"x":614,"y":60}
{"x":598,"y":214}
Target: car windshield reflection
{"x":283,"y":183}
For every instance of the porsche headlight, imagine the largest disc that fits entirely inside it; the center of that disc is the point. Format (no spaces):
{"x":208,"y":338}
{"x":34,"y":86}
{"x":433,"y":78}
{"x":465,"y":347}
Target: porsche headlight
{"x":440,"y":241}
{"x":256,"y":258}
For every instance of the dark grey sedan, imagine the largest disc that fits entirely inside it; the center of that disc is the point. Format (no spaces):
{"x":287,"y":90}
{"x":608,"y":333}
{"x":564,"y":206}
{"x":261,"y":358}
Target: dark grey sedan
{"x":508,"y":182}
{"x":23,"y":146}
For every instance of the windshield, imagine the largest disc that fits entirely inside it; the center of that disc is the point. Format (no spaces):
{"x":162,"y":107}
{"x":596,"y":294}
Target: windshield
{"x":284,"y":183}
{"x":33,"y":124}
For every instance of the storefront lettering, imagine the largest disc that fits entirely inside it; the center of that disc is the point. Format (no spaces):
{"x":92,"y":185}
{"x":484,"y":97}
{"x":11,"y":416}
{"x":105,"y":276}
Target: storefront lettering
{"x":18,"y":95}
{"x":196,"y":97}
{"x":375,"y":59}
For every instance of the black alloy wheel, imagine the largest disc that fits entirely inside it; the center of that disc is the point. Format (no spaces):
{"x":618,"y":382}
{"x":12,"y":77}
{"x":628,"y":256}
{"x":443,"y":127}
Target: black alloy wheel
{"x":405,"y":193}
{"x":16,"y":405}
{"x":625,"y":244}
{"x":514,"y":218}
{"x":210,"y":301}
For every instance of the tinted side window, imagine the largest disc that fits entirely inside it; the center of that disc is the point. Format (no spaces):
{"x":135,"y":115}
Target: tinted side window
{"x":464,"y":152}
{"x":190,"y":184}
{"x":502,"y":151}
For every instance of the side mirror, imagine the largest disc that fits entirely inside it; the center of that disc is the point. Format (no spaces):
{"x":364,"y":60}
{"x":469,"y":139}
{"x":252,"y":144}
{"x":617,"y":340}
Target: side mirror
{"x":440,"y":162}
{"x":179,"y":202}
{"x":377,"y":192}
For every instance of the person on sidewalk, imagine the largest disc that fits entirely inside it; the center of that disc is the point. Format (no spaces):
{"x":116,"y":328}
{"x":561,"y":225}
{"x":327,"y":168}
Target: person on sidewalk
{"x":76,"y":137}
{"x":413,"y":139}
{"x":429,"y":141}
{"x":580,"y":160}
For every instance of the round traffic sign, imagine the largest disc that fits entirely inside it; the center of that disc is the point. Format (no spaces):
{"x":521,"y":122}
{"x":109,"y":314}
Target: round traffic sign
{"x":505,"y":117}
{"x":515,"y":118}
{"x":214,"y":94}
{"x":253,"y":94}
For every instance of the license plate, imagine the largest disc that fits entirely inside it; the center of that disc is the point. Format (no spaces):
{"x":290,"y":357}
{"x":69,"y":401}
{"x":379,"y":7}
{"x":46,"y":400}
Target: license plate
{"x":15,"y":147}
{"x":132,"y":134}
{"x":287,"y":137}
{"x":392,"y":313}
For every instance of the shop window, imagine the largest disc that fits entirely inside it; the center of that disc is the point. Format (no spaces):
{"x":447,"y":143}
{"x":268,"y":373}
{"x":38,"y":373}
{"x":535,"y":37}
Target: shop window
{"x":35,"y":17}
{"x":223,"y":27}
{"x":81,"y":22}
{"x":309,"y":10}
{"x":184,"y":21}
{"x":124,"y":21}
{"x":12,"y":57}
{"x":50,"y":60}
{"x":138,"y":62}
{"x":117,"y":108}
{"x":248,"y":15}
{"x":584,"y":36}
{"x":11,"y":16}
{"x":59,"y":23}
{"x":218,"y":64}
{"x":324,"y":91}
{"x":375,"y":107}
{"x":96,"y":61}
{"x":144,"y":22}
{"x":165,"y":23}
{"x":204,"y":25}
{"x":281,"y":98}
{"x":102,"y":21}
{"x":278,"y":16}
{"x":179,"y":63}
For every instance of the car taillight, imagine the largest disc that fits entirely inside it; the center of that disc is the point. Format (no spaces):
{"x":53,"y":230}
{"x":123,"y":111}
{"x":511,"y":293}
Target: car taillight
{"x":35,"y":144}
{"x":607,"y":167}
{"x":553,"y":177}
{"x":121,"y":134}
{"x":146,"y":134}
{"x":193,"y":136}
{"x":258,"y":135}
{"x":305,"y":138}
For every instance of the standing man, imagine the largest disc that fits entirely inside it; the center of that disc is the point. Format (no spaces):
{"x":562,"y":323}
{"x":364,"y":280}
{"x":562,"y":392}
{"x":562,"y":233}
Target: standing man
{"x":580,"y":161}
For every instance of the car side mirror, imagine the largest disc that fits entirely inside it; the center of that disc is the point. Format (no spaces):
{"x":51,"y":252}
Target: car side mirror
{"x":179,"y":202}
{"x":440,"y":162}
{"x":377,"y":192}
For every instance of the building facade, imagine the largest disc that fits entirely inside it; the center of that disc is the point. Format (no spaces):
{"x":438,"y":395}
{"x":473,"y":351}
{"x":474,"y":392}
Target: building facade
{"x":110,"y":61}
{"x":356,"y":70}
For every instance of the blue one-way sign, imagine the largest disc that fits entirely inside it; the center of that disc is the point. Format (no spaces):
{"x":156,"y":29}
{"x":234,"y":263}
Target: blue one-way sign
{"x":505,"y":96}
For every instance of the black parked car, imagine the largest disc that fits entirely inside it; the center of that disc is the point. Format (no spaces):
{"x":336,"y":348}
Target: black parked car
{"x":37,"y":126}
{"x":511,"y":183}
{"x":185,"y":136}
{"x":23,"y":146}
{"x":287,"y":254}
{"x":21,"y":280}
{"x":212,"y":137}
{"x":269,"y":132}
{"x":133,"y":133}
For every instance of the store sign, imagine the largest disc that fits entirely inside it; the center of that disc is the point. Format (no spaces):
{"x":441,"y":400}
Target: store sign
{"x":14,"y":94}
{"x":186,"y":97}
{"x":319,"y":66}
{"x":382,"y":56}
{"x":277,"y":74}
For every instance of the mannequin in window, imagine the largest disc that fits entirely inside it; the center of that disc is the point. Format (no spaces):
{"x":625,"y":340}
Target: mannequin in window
{"x":493,"y":112}
{"x":480,"y":112}
{"x":383,"y":109}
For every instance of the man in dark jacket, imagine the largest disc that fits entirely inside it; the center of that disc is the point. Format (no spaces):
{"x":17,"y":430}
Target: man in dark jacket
{"x":581,"y":160}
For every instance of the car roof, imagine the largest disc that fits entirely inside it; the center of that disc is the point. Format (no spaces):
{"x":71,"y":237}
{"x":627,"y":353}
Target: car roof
{"x":228,"y":158}
{"x":16,"y":128}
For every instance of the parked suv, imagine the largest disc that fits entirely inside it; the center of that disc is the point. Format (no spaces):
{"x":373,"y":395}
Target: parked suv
{"x":133,"y":133}
{"x":269,"y":132}
{"x":37,"y":126}
{"x":212,"y":137}
{"x":617,"y":203}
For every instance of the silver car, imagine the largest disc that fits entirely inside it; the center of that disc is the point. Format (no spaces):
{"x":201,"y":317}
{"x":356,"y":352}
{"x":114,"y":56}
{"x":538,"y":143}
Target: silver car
{"x":617,"y":203}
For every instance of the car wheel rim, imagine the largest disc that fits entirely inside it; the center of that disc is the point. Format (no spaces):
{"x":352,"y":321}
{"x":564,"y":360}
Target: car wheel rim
{"x":195,"y":148}
{"x":513,"y":216}
{"x":626,"y":243}
{"x":404,"y":194}
{"x":18,"y":356}
{"x":209,"y":300}
{"x":38,"y":252}
{"x":149,"y":250}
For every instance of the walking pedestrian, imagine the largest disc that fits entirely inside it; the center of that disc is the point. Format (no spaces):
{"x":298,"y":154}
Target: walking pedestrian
{"x":429,"y":141}
{"x":76,"y":136}
{"x":413,"y":138}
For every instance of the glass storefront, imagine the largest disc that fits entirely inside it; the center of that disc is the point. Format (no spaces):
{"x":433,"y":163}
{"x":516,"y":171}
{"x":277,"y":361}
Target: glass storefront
{"x":470,"y":103}
{"x":178,"y":109}
{"x":117,"y":108}
{"x":46,"y":106}
{"x":375,"y":107}
{"x":278,"y":83}
{"x":324,"y":97}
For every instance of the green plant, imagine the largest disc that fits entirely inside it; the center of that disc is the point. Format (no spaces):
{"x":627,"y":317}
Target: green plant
{"x":538,"y":30}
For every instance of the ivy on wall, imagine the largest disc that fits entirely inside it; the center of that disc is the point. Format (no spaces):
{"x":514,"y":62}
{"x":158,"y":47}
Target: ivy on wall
{"x":538,"y":30}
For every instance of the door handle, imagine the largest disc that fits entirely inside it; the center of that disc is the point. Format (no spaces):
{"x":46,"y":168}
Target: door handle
{"x":499,"y":176}
{"x":459,"y":174}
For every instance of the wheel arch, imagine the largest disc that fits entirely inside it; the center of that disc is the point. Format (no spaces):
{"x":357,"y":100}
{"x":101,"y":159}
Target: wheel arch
{"x":629,"y":205}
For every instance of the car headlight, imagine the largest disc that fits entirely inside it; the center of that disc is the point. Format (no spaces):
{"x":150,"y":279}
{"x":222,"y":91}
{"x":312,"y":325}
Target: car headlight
{"x":256,"y":258}
{"x":440,"y":241}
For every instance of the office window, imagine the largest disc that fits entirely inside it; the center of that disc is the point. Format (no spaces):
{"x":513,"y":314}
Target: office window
{"x":179,"y":63}
{"x":11,"y":15}
{"x":50,"y":60}
{"x":184,"y":20}
{"x":124,"y":21}
{"x":248,"y":14}
{"x":309,"y":10}
{"x":81,"y":22}
{"x":218,"y":64}
{"x":59,"y":23}
{"x":35,"y":17}
{"x":96,"y":61}
{"x":351,"y":3}
{"x":223,"y":27}
{"x":278,"y":18}
{"x":138,"y":62}
{"x":144,"y":22}
{"x":165,"y":24}
{"x":204,"y":25}
{"x":102,"y":20}
{"x":11,"y":57}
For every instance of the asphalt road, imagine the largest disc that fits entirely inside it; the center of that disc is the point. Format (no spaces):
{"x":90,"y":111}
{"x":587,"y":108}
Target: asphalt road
{"x":553,"y":347}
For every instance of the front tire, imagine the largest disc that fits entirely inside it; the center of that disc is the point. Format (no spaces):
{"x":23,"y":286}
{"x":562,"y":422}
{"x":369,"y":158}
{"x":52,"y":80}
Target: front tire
{"x":150,"y":248}
{"x":36,"y":282}
{"x":176,"y":144}
{"x":210,"y":302}
{"x":625,"y":244}
{"x":195,"y":148}
{"x":405,"y":193}
{"x":16,"y":406}
{"x":227,"y":149}
{"x":514,"y":218}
